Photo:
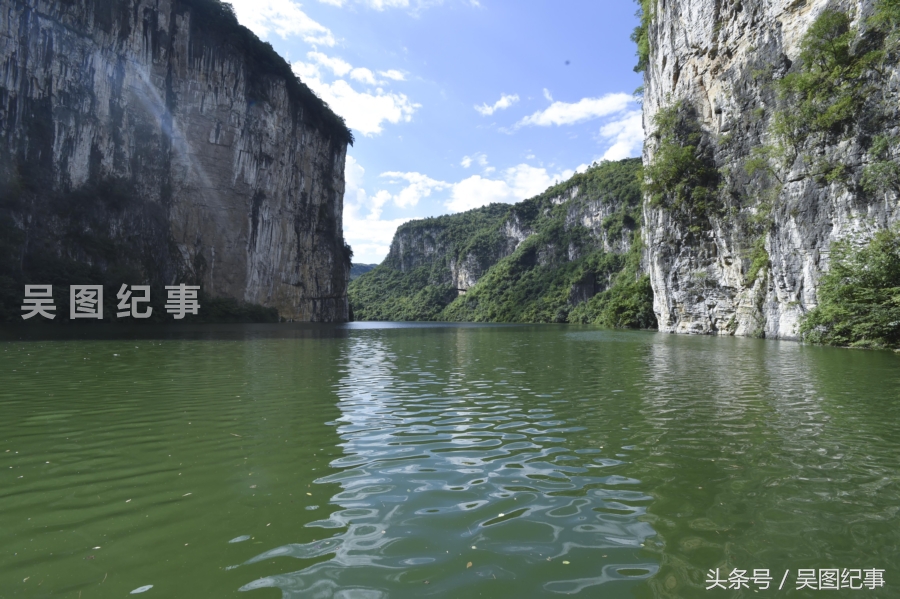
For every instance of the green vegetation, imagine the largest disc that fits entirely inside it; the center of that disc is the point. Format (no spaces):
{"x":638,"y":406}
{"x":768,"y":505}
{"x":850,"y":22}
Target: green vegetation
{"x":357,"y":270}
{"x":640,"y":36}
{"x":682,"y":176}
{"x":420,"y":289}
{"x":759,"y":260}
{"x":559,"y":273}
{"x":882,"y":174}
{"x":859,"y":297}
{"x":627,"y":303}
{"x":832,"y":85}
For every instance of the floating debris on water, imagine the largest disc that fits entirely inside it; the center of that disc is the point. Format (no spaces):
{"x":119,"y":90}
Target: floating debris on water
{"x":142,"y":589}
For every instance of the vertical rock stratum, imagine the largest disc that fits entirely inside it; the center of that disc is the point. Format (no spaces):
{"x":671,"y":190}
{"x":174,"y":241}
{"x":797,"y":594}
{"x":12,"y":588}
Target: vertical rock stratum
{"x":786,"y":165}
{"x":158,"y":140}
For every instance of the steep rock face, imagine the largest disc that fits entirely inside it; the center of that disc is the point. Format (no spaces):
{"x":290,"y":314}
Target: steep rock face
{"x":536,"y":261}
{"x":462,"y":260}
{"x":720,"y":59}
{"x":444,"y":246}
{"x":174,"y":136}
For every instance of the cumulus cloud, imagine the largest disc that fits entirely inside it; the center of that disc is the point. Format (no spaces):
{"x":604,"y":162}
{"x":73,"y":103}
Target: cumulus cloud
{"x":370,"y":237}
{"x":503,"y":103}
{"x":479,"y":157}
{"x":336,"y":65}
{"x":283,"y":17}
{"x":627,"y":135}
{"x":514,"y":185}
{"x":363,"y":75}
{"x":419,"y":186}
{"x":364,"y":111}
{"x":382,"y":4}
{"x":393,"y":74}
{"x":365,"y":231}
{"x":566,"y":113}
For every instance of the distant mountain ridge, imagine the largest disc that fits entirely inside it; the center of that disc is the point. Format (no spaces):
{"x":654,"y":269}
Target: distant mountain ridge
{"x":570,"y":254}
{"x":357,"y":270}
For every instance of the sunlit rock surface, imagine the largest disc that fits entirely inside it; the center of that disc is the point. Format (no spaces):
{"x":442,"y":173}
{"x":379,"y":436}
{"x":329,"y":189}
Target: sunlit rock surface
{"x":720,"y":59}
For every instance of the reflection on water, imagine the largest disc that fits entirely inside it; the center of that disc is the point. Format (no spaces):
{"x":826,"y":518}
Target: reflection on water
{"x":449,"y":479}
{"x":406,"y":461}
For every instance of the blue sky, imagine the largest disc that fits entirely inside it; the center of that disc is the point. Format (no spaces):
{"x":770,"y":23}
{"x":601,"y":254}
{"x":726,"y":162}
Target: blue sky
{"x":458,"y":103}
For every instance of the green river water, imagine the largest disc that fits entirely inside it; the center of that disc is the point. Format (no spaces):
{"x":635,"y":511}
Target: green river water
{"x":370,"y":461}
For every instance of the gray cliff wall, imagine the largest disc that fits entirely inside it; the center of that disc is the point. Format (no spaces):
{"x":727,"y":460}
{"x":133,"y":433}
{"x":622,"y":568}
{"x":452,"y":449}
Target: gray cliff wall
{"x":719,"y":59}
{"x":163,"y":131}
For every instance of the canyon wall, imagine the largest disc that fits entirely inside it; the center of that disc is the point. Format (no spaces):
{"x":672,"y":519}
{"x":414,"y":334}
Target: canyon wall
{"x":749,"y":261}
{"x":161,"y":139}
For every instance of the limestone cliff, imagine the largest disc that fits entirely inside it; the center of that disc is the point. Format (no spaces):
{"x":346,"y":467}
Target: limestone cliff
{"x":566,"y":255}
{"x":159,"y":141}
{"x":747,"y":261}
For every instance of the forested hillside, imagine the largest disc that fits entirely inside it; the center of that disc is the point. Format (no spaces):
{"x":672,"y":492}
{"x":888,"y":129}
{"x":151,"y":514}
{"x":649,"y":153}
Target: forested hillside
{"x":571,"y":254}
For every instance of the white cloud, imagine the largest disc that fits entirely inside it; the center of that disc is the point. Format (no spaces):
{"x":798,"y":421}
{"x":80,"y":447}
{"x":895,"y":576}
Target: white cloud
{"x":366,"y":112}
{"x":477,"y":191}
{"x":353,"y":180}
{"x":283,"y":17}
{"x":363,"y":75}
{"x":548,"y":95}
{"x":564,"y":113}
{"x":518,"y":183}
{"x":382,"y":4}
{"x":420,"y":186}
{"x":503,"y":103}
{"x":627,"y":135}
{"x":478,"y":157}
{"x":306,"y":71}
{"x":414,"y":5}
{"x":337,"y":66}
{"x":393,"y":74}
{"x":368,"y":235}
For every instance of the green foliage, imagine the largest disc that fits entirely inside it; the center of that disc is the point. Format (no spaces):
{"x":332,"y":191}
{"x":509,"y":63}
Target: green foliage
{"x":540,"y":281}
{"x":883,"y":173}
{"x":886,"y":16}
{"x":825,"y":95}
{"x":385,"y":293}
{"x":759,"y":260}
{"x":627,"y":303}
{"x":641,"y":36}
{"x":765,"y":159}
{"x":859,"y":297}
{"x":682,"y":176}
{"x":357,"y":270}
{"x":395,"y":290}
